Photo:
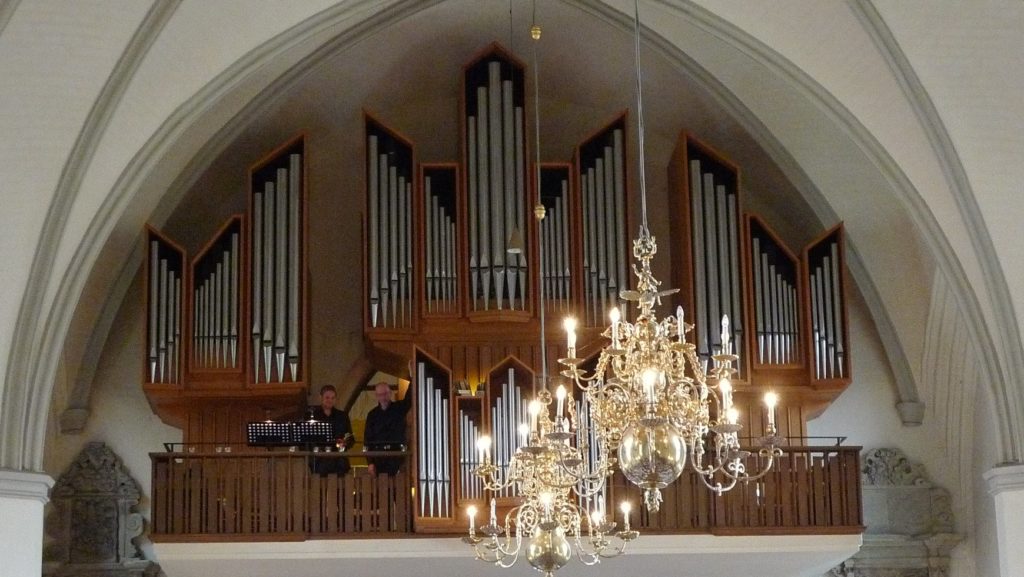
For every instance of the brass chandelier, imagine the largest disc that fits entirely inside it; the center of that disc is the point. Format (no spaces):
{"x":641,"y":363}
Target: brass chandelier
{"x":650,"y":398}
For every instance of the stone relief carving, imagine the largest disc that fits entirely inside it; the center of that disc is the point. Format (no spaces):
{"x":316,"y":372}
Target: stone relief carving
{"x":909,"y":521}
{"x":92,"y":525}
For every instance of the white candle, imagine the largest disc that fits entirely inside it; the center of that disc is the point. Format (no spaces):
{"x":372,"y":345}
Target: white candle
{"x":494,"y":512}
{"x":680,"y":324}
{"x":570,"y":330}
{"x":626,"y":508}
{"x":615,"y":316}
{"x":725,"y":386}
{"x":725,"y":335}
{"x":560,"y":395}
{"x":534,"y":410}
{"x":732,"y":416}
{"x":471,"y":511}
{"x":771,"y":399}
{"x":649,"y":379}
{"x":483,"y":446}
{"x":524,"y":433}
{"x":546,"y":499}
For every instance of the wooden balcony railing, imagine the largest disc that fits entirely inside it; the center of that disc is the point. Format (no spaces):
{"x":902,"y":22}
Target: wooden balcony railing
{"x":245,"y":496}
{"x":810,"y":490}
{"x":250,"y":496}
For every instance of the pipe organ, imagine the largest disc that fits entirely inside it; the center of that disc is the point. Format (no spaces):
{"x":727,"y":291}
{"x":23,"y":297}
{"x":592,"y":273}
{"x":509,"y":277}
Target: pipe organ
{"x":495,"y":152}
{"x":440,"y":243}
{"x":165,"y":270}
{"x":555,"y":262}
{"x":216,"y":294}
{"x":775,"y":287}
{"x":389,"y":177}
{"x":601,"y":169}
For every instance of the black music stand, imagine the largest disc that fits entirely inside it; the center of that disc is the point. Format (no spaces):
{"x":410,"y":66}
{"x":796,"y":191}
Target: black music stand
{"x":268,"y":434}
{"x":312,"y":433}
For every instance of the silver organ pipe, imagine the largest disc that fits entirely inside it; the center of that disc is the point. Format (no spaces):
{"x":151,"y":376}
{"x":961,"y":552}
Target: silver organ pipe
{"x":276,"y":273}
{"x":601,"y":165}
{"x":497,"y":180}
{"x":390,"y":241}
{"x":269,"y":220}
{"x":520,"y":186}
{"x":484,"y":184}
{"x":474,"y":271}
{"x":154,"y":296}
{"x":496,"y":162}
{"x":403,"y":242}
{"x":294,"y":256}
{"x":280,"y":271}
{"x":162,"y":326}
{"x":715,"y":241}
{"x":509,"y":171}
{"x":163,"y":332}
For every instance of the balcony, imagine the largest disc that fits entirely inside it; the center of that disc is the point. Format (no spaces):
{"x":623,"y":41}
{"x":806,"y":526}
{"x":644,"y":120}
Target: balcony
{"x":246,"y":496}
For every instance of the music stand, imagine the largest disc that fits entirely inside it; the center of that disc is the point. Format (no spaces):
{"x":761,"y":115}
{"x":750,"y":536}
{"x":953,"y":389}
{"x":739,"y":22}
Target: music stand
{"x":268,"y":434}
{"x":312,"y":433}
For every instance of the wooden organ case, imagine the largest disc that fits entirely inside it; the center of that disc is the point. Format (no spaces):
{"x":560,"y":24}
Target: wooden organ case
{"x":227,"y":333}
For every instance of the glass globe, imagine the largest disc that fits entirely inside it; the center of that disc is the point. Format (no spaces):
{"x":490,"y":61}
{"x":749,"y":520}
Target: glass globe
{"x":548,"y":550}
{"x":651,"y":457}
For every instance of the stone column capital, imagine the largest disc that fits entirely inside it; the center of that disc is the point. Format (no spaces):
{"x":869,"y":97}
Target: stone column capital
{"x":1006,"y":477}
{"x":15,"y":484}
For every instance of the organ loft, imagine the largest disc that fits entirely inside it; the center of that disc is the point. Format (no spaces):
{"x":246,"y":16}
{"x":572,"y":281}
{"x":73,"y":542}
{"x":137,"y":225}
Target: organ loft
{"x":456,"y":275}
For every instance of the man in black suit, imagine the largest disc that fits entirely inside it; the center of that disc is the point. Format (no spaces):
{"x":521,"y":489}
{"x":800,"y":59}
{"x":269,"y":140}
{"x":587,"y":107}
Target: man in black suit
{"x":385,"y":429}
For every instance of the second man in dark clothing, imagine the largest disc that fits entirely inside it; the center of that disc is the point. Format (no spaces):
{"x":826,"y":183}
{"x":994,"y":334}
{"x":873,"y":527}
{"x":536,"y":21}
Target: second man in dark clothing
{"x":385,"y":429}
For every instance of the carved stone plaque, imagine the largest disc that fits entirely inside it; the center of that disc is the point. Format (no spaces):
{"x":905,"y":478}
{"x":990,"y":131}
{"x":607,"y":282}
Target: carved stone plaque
{"x":92,"y":525}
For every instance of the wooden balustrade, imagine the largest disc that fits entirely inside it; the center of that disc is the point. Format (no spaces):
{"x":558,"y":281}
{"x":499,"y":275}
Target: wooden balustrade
{"x":274,"y":496}
{"x":810,"y":490}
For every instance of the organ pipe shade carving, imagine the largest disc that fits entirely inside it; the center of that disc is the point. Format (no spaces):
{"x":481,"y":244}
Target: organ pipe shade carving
{"x":217,"y":276}
{"x":495,"y":150}
{"x":165,"y":277}
{"x":276,"y":251}
{"x":556,"y":234}
{"x":601,"y":174}
{"x":775,"y":290}
{"x":390,"y":247}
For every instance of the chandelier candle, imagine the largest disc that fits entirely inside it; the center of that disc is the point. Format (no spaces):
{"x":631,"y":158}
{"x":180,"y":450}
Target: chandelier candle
{"x":570,"y":329}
